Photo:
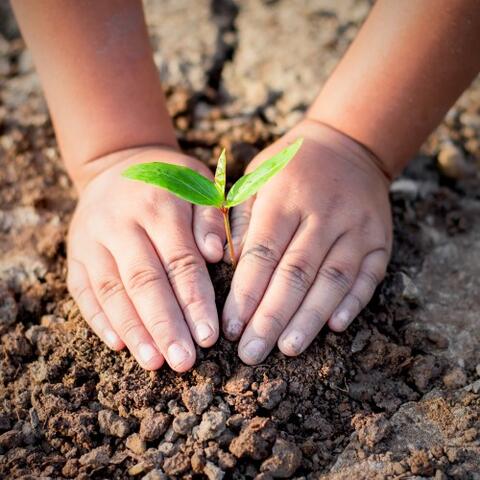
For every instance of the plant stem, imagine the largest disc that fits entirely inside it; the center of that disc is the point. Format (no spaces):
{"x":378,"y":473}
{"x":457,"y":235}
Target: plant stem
{"x":228,"y":232}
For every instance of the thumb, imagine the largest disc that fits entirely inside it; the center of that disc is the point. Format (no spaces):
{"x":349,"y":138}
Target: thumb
{"x":209,"y":232}
{"x":239,"y":221}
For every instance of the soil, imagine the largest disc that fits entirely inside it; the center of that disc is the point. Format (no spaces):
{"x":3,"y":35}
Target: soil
{"x":396,"y":396}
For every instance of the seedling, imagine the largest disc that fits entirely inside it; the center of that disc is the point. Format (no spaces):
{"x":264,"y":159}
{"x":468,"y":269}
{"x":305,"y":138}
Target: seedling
{"x":195,"y":188}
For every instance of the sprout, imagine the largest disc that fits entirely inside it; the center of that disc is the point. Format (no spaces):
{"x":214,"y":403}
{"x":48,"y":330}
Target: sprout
{"x":199,"y":190}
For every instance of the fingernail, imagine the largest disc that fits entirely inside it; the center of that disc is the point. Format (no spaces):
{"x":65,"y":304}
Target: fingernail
{"x":342,"y":319}
{"x":294,"y":341}
{"x":233,"y":329}
{"x":213,"y":243}
{"x":203,"y":331}
{"x":254,"y":350}
{"x":177,"y":354}
{"x":146,"y":352}
{"x":111,"y":338}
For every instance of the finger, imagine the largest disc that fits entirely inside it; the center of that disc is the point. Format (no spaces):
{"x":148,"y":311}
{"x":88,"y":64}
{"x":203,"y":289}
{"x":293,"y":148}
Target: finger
{"x":288,"y":286}
{"x":110,"y":292}
{"x":148,"y":287}
{"x":188,"y":276}
{"x":371,"y":274}
{"x":334,"y":280}
{"x":239,"y":221}
{"x":267,"y":238}
{"x":209,"y":232}
{"x":81,"y":290}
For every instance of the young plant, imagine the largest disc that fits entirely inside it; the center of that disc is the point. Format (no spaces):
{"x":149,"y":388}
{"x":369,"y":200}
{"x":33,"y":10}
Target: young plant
{"x":195,"y":188}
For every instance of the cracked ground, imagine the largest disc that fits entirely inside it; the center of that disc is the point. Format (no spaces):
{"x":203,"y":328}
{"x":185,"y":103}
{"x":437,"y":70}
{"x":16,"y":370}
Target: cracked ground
{"x":396,"y":396}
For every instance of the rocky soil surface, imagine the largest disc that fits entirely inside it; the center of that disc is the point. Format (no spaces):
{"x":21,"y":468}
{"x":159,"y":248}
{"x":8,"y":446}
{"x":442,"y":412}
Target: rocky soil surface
{"x":397,"y":396}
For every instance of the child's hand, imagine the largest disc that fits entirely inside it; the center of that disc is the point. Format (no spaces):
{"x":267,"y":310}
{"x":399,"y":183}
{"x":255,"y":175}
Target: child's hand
{"x":135,"y":264}
{"x":315,"y":244}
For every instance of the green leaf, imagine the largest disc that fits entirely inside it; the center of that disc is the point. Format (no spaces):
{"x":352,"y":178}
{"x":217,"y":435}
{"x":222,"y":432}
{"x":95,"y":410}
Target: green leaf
{"x":181,"y":181}
{"x":221,"y":173}
{"x":249,"y":184}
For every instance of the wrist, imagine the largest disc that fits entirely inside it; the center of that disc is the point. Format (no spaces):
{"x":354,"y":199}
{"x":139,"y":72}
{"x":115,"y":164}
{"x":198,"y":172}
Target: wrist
{"x":333,"y":139}
{"x":82,"y":174}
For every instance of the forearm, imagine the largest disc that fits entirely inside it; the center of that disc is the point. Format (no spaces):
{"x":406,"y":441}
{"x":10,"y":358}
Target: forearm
{"x":407,"y":66}
{"x":97,"y":70}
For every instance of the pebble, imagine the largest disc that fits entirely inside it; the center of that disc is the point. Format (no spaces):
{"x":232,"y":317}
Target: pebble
{"x":184,"y":422}
{"x":405,"y":187}
{"x":136,"y":444}
{"x":212,"y":472}
{"x":271,"y":392}
{"x":167,"y":448}
{"x":198,"y":398}
{"x":451,"y":161}
{"x":155,"y":474}
{"x":212,"y":425}
{"x":153,"y":426}
{"x":285,"y":459}
{"x":112,"y":424}
{"x":455,"y":378}
{"x":409,"y":291}
{"x":98,"y":457}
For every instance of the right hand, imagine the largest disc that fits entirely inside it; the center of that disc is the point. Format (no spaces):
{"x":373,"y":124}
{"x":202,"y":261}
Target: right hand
{"x":136,"y":263}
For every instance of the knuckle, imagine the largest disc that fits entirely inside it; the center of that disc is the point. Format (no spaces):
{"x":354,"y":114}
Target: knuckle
{"x":299,"y":273}
{"x":315,"y":315}
{"x":183,"y":264}
{"x":370,"y":278}
{"x":262,"y":253}
{"x":247,"y":298}
{"x":338,"y":275}
{"x":141,"y":278}
{"x":275,"y":320}
{"x":107,"y":287}
{"x":158,"y":326}
{"x":130,"y":330}
{"x":240,"y":219}
{"x":356,"y":299}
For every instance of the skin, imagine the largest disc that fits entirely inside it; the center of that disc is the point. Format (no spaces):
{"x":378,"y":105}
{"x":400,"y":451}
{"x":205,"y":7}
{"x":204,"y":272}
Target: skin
{"x":315,"y":241}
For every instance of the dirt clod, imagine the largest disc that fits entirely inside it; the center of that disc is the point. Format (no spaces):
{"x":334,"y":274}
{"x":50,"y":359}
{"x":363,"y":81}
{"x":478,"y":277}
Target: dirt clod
{"x":285,"y":459}
{"x":153,"y":426}
{"x":198,"y":398}
{"x":112,"y":424}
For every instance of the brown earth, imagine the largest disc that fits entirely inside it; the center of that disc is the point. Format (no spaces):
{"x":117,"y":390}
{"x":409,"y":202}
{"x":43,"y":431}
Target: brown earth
{"x":397,"y":396}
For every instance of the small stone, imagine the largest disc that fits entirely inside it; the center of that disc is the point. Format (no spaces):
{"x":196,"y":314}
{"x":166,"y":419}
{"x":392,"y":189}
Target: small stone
{"x":137,"y":469}
{"x":155,"y":474}
{"x":473,"y":387}
{"x":240,"y":381}
{"x":98,"y":457}
{"x":198,"y":398}
{"x":184,"y":422}
{"x":254,"y":440}
{"x":451,"y":161}
{"x":198,"y":461}
{"x":408,"y":290}
{"x":212,"y":472}
{"x":405,"y":187}
{"x":270,"y":393}
{"x":235,"y":421}
{"x":136,"y":444}
{"x":226,"y":460}
{"x":477,"y":370}
{"x":176,"y":465}
{"x":112,"y":424}
{"x":212,"y":425}
{"x":153,"y":426}
{"x":167,"y":448}
{"x":455,"y":378}
{"x":170,"y":435}
{"x":285,"y":459}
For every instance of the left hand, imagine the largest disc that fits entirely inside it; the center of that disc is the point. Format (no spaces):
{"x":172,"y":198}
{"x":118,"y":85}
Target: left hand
{"x":314,"y":244}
